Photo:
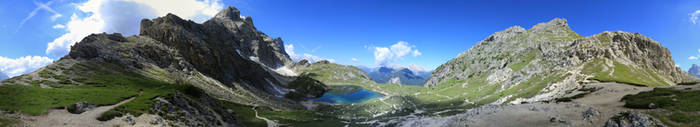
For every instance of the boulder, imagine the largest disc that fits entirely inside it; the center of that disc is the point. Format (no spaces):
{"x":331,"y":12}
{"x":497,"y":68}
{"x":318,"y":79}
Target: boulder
{"x":80,"y":107}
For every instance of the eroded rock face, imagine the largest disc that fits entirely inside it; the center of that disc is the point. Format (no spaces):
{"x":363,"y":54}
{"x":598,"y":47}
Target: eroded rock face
{"x":188,"y":110}
{"x":633,"y":119}
{"x":552,"y":56}
{"x":226,"y":48}
{"x":209,"y":51}
{"x":630,"y":48}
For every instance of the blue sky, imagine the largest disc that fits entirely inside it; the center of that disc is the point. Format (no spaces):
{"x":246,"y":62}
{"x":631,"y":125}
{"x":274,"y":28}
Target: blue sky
{"x":355,"y":32}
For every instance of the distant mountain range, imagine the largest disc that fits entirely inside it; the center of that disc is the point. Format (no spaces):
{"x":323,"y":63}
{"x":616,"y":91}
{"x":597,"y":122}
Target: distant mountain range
{"x":3,"y":76}
{"x":397,"y":75}
{"x":695,"y":70}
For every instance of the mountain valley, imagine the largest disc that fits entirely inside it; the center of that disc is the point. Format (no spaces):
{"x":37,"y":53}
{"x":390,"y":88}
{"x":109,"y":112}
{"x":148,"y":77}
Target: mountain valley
{"x":224,"y":72}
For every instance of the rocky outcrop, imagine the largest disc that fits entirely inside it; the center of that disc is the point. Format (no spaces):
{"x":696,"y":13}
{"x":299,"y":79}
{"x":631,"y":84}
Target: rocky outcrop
{"x":549,"y":59}
{"x":695,"y":70}
{"x":630,"y":49}
{"x":633,"y":119}
{"x":193,"y":109}
{"x":80,"y":107}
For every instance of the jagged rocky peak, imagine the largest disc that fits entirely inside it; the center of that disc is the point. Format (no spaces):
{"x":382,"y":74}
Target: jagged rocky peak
{"x":93,"y":46}
{"x":219,"y":52}
{"x":228,"y":29}
{"x":229,"y":12}
{"x":695,"y":70}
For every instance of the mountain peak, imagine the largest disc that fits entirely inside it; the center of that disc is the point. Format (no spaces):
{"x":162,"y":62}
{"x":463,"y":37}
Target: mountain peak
{"x":385,"y":70}
{"x":553,"y":26}
{"x":229,"y":12}
{"x":695,"y":70}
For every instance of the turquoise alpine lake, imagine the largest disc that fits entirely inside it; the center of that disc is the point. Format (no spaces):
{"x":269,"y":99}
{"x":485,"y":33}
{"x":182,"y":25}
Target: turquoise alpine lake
{"x":347,"y":98}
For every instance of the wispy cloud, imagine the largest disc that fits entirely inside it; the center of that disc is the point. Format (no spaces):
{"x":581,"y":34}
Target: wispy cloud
{"x":314,"y":50}
{"x":58,"y":26}
{"x":695,"y":57}
{"x":355,"y":60}
{"x":40,"y":6}
{"x":296,"y":57}
{"x":694,"y":16}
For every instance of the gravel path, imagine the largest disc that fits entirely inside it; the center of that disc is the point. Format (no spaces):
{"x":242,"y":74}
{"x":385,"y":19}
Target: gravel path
{"x":592,"y":110}
{"x":63,"y":118}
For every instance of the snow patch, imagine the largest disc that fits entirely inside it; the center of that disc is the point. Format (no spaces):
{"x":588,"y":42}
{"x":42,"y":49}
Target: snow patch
{"x":253,"y":58}
{"x":281,"y":91}
{"x":286,"y":71}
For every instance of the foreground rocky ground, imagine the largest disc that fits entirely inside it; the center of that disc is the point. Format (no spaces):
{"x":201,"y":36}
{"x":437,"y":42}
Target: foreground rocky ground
{"x":600,"y":108}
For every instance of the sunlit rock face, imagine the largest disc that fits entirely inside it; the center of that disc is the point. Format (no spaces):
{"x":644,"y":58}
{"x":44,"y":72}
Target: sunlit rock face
{"x":545,"y":61}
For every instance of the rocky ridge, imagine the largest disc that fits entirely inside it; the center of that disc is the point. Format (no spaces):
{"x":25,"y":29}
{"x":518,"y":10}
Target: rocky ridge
{"x":550,"y":59}
{"x":226,"y":57}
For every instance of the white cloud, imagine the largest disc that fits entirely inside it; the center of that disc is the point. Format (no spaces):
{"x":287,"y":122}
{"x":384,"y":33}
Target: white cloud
{"x":58,"y":26}
{"x":355,"y":60}
{"x":694,"y":16}
{"x":384,"y":56}
{"x":124,"y":16}
{"x":416,"y":53}
{"x":55,"y":16}
{"x":296,"y":57}
{"x":413,"y":67}
{"x":695,"y":57}
{"x":22,"y":65}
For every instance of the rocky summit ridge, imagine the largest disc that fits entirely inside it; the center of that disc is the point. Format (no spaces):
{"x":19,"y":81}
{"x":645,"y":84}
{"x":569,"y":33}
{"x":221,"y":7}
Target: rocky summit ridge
{"x":186,"y":73}
{"x":695,"y":70}
{"x":547,"y":60}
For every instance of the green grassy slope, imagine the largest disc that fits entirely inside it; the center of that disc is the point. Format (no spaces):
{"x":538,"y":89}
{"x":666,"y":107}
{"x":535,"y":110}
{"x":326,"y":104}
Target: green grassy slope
{"x":96,"y":83}
{"x":622,"y":73}
{"x":681,"y":107}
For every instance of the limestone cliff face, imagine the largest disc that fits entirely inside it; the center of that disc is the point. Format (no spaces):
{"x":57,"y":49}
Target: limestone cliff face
{"x":548,"y":59}
{"x":226,"y":56}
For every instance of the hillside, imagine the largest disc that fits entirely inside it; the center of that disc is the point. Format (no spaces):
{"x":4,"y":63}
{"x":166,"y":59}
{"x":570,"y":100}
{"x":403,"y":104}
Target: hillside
{"x":224,"y":72}
{"x":186,"y":73}
{"x":549,"y":59}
